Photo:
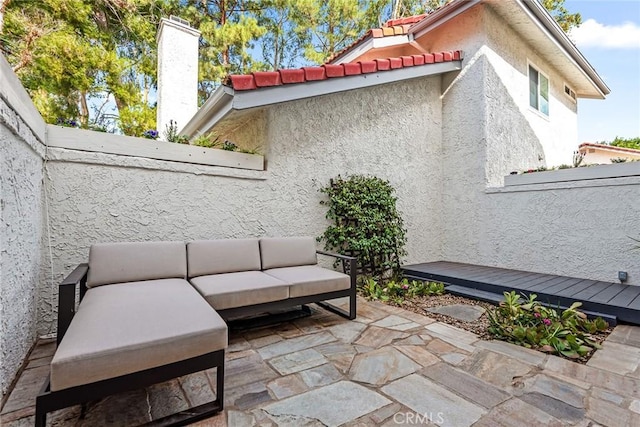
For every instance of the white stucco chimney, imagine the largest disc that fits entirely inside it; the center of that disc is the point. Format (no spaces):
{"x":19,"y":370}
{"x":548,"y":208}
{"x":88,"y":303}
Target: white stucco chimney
{"x":177,"y":73}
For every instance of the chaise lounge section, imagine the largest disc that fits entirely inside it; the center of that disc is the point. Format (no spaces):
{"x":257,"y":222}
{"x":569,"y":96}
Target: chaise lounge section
{"x":139,"y":322}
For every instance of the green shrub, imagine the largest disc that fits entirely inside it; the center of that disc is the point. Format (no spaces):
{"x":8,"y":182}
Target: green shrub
{"x":366,"y":224}
{"x":529,"y":324}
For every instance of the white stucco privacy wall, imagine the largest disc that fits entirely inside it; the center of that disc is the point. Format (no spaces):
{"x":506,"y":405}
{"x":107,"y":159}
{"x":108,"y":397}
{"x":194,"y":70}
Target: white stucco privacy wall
{"x":96,"y":197}
{"x":510,"y":56}
{"x":21,"y":159}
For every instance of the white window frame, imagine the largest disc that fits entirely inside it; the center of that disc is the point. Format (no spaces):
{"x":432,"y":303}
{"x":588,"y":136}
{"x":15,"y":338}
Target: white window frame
{"x":537,"y":108}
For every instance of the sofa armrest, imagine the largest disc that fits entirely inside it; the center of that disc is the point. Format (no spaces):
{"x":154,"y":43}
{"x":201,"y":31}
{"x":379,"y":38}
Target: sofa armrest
{"x":67,"y":297}
{"x":351,"y":262}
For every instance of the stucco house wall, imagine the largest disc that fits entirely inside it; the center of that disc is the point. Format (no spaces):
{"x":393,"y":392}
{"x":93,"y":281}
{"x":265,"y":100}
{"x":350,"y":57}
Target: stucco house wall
{"x":21,"y":160}
{"x":480,"y":31}
{"x":94,"y":197}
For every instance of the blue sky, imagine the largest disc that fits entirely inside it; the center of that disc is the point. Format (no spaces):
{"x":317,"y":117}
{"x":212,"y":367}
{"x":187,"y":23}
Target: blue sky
{"x":610,"y":39}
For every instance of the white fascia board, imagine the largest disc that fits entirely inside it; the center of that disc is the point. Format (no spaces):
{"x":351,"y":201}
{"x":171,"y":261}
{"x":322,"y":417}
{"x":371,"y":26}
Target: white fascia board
{"x":351,"y":55}
{"x":390,"y":41}
{"x":277,"y":94}
{"x":212,"y":111}
{"x":368,"y":44}
{"x":441,"y":16}
{"x":552,"y":30}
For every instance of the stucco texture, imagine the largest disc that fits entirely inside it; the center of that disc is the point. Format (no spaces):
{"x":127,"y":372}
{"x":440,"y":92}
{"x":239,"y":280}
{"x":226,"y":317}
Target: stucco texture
{"x":308,"y":142}
{"x":20,"y":241}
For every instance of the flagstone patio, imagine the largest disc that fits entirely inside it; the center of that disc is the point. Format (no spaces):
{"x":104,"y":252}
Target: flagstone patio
{"x":388,"y":367}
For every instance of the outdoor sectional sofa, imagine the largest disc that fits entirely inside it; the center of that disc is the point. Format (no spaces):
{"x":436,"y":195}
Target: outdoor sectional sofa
{"x":152,"y":311}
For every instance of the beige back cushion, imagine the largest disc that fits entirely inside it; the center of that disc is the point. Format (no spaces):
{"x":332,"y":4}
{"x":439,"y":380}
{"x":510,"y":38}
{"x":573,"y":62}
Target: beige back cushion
{"x":207,"y":257}
{"x":131,"y":262}
{"x":279,"y":252}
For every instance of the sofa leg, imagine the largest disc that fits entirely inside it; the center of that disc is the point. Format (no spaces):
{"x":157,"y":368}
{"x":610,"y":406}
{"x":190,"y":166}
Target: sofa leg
{"x":41,"y":417}
{"x":220,"y":385}
{"x":353,"y":306}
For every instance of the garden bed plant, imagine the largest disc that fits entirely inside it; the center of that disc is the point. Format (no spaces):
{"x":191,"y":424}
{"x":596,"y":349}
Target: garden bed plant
{"x":529,"y":324}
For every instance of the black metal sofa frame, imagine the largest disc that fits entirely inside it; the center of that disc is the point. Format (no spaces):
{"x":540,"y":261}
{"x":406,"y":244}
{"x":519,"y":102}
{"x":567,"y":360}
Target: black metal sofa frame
{"x":48,"y":401}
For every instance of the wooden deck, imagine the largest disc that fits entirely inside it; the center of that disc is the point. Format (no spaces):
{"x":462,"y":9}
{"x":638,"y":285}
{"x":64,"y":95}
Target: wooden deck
{"x":611,"y":300}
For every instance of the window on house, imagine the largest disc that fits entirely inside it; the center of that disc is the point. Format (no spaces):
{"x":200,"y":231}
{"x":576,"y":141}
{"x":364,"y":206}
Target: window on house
{"x":538,"y":91}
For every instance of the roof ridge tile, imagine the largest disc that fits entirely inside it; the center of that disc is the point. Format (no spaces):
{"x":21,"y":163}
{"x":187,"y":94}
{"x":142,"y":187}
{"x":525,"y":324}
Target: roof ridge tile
{"x":290,"y":76}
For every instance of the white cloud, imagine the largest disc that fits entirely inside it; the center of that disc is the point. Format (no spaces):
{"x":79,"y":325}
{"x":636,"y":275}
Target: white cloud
{"x":594,"y":34}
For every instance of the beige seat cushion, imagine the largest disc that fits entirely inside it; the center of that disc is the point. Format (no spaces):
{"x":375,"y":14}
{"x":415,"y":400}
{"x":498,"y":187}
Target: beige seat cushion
{"x":134,"y":261}
{"x":129,"y":327}
{"x":311,"y":280}
{"x":240,"y":289}
{"x":277,"y":252}
{"x":222,"y":256}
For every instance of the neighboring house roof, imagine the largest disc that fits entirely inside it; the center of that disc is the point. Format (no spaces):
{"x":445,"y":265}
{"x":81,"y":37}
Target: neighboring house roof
{"x":259,"y":89}
{"x":622,"y":150}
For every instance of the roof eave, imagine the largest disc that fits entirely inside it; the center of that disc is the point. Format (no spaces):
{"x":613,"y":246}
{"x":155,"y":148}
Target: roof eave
{"x":212,"y":111}
{"x":541,"y":18}
{"x":559,"y":36}
{"x":225,"y":100}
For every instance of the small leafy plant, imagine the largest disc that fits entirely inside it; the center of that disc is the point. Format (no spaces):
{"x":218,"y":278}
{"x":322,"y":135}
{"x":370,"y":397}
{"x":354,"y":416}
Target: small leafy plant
{"x":229,"y":146}
{"x":171,"y":134}
{"x":398,"y":291}
{"x":526,"y":322}
{"x":209,"y":140}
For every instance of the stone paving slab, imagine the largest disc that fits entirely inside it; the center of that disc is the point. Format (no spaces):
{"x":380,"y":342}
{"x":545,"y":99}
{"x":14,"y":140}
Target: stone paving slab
{"x":466,"y":385}
{"x":332,"y":405}
{"x":381,"y":366}
{"x":463,"y":312}
{"x":380,"y":369}
{"x":298,"y":361}
{"x":616,"y":357}
{"x":517,"y":413}
{"x":427,"y":397}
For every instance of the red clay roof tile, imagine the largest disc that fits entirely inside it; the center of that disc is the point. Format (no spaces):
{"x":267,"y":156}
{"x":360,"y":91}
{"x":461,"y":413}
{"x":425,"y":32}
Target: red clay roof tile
{"x":267,"y":78}
{"x":352,"y":68}
{"x":333,"y":70}
{"x":369,"y":66}
{"x":407,"y":61}
{"x":314,"y":73}
{"x":292,"y":75}
{"x":383,"y":64}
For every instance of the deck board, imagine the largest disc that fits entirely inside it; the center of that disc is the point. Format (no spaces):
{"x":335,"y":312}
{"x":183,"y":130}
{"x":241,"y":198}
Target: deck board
{"x":608,"y":298}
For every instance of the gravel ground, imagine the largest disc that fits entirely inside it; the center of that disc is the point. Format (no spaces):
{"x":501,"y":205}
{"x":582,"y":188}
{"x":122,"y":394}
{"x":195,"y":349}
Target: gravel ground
{"x":478,"y":327}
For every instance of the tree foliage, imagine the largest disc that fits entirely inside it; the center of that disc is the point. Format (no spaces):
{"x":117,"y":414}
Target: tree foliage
{"x":94,"y":61}
{"x":626,"y":142}
{"x":75,"y":55}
